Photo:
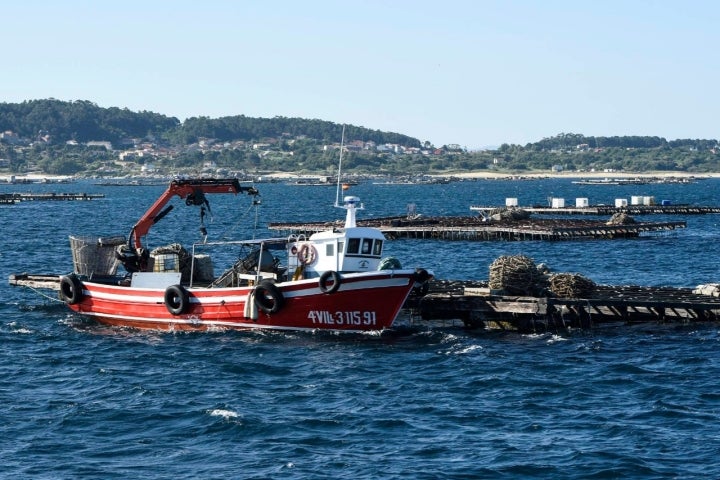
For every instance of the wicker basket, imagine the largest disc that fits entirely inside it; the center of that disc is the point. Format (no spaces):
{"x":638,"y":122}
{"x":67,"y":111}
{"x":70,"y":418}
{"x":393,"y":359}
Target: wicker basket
{"x":95,"y":256}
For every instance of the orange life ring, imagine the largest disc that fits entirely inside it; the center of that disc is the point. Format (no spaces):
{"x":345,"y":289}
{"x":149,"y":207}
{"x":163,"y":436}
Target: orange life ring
{"x":307,"y":254}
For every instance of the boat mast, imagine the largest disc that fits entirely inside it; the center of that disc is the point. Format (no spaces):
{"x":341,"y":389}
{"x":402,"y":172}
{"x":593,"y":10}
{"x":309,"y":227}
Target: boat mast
{"x":337,"y":192}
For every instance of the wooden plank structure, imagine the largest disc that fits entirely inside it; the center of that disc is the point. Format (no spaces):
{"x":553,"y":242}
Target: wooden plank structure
{"x":9,"y":198}
{"x":476,"y":228}
{"x":602,"y":210}
{"x":476,"y":306}
{"x":35,"y":281}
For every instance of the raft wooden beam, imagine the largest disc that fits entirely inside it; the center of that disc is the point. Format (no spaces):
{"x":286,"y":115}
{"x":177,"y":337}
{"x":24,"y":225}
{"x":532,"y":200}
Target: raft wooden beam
{"x":26,"y":197}
{"x":608,"y":210}
{"x":475,"y":228}
{"x":35,"y":281}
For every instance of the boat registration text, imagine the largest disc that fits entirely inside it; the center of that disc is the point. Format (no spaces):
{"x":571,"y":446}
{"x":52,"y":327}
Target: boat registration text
{"x":354,"y":317}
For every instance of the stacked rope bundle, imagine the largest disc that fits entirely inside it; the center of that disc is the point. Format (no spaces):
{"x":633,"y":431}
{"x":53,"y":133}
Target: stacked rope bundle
{"x":620,"y":218}
{"x":571,"y":285}
{"x":505,"y":213}
{"x":516,"y":274}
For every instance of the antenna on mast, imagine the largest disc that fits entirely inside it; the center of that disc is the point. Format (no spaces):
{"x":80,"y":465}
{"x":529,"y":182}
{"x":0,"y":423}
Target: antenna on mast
{"x":337,"y":193}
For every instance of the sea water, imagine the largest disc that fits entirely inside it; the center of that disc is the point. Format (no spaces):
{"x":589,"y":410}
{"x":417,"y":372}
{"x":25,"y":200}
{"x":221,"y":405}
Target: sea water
{"x":79,"y":400}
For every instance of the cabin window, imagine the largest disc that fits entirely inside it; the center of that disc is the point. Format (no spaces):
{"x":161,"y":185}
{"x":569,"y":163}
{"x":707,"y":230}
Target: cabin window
{"x":341,"y":246}
{"x":353,"y":245}
{"x":366,"y":246}
{"x":377,"y":248}
{"x":329,"y":250}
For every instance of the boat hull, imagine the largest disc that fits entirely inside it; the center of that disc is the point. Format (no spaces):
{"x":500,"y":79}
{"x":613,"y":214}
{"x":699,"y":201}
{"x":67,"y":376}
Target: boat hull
{"x":367,"y":301}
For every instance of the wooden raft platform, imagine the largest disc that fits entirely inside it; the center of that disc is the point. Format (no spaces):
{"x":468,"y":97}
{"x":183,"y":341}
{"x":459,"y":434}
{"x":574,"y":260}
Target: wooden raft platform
{"x":610,"y":210}
{"x":9,"y":198}
{"x":476,"y":306}
{"x":475,"y":228}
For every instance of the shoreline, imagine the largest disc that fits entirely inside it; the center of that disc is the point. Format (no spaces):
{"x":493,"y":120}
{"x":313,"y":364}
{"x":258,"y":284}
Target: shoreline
{"x":37,"y":178}
{"x":576,"y":175}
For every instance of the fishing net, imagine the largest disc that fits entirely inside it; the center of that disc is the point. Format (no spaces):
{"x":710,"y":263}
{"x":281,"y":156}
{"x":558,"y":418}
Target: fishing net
{"x":389,"y":263}
{"x":710,"y":289}
{"x":516,"y":274}
{"x":505,"y":213}
{"x":571,"y":285}
{"x":519,"y":275}
{"x":621,"y":218}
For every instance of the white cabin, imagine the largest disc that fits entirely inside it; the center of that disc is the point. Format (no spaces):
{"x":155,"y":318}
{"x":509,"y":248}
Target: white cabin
{"x":350,"y":249}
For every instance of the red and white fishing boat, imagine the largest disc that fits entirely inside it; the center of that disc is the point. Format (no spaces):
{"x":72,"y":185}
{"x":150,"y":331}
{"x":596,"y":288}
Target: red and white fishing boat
{"x":332,"y":280}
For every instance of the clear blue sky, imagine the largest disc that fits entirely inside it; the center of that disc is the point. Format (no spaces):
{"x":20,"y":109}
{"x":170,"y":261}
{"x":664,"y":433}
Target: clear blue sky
{"x":475,"y":73}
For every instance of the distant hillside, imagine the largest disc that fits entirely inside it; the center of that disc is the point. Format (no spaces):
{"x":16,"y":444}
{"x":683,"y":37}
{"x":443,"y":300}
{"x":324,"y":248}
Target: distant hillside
{"x":574,"y":140}
{"x":84,"y":121}
{"x":80,"y":120}
{"x":78,"y":137}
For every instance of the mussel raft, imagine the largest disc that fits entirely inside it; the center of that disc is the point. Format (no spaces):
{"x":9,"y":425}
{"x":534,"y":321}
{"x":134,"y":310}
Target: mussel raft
{"x":527,"y":297}
{"x":477,"y":306}
{"x":476,"y":228}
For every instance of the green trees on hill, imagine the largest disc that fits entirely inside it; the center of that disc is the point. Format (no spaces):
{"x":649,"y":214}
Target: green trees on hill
{"x":54,"y":136}
{"x":255,"y":129}
{"x":80,"y":120}
{"x":84,"y":121}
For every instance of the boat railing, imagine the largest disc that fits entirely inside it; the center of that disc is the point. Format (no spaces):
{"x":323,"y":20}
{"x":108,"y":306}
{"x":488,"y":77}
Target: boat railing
{"x":248,"y":267}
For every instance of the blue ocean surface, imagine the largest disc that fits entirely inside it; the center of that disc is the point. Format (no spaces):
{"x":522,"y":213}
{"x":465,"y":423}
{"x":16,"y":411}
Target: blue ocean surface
{"x":80,"y":400}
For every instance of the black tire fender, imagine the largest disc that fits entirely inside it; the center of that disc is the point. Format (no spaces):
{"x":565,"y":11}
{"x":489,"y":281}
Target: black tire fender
{"x":322,"y":282}
{"x":177,"y":299}
{"x":268,"y":297}
{"x":422,"y":282}
{"x":71,"y":290}
{"x":422,"y":275}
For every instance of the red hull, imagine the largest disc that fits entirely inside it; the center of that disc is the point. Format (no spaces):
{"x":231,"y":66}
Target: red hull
{"x":364,"y":302}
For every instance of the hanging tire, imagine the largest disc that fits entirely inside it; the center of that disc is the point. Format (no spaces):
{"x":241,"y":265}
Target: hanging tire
{"x":268,"y":297}
{"x":422,"y":275}
{"x":323,"y":282}
{"x":71,"y":291}
{"x":422,"y":282}
{"x":177,"y":299}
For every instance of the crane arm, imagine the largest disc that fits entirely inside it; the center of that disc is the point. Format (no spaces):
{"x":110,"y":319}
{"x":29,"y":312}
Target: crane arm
{"x":193,"y":191}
